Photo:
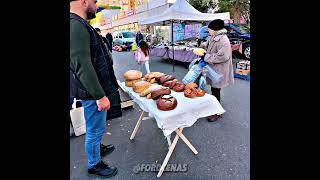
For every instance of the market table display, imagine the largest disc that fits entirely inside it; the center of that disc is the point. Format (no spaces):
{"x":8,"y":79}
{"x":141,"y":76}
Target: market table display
{"x":184,"y":114}
{"x":180,"y":54}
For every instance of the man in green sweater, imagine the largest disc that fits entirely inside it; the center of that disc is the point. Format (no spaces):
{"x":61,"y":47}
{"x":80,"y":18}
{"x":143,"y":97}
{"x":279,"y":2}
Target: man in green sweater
{"x":92,"y":80}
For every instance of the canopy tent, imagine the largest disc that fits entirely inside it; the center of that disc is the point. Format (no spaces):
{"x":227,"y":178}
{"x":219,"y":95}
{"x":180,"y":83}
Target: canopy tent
{"x":104,"y":6}
{"x":104,"y":11}
{"x":181,"y":10}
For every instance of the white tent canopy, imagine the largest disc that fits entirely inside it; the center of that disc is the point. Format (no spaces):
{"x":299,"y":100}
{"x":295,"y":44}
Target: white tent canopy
{"x":108,"y":13}
{"x":183,"y":11}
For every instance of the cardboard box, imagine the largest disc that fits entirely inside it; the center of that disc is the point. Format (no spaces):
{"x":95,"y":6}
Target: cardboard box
{"x":242,"y":71}
{"x":245,"y":65}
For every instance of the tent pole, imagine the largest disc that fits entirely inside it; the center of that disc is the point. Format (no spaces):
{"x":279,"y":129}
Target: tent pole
{"x":172,"y":41}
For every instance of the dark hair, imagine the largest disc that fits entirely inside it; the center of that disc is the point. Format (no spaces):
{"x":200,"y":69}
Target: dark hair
{"x":144,"y":47}
{"x":216,"y":24}
{"x":97,"y":29}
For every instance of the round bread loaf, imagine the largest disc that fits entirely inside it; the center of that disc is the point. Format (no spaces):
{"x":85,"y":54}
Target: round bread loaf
{"x":179,"y":87}
{"x":190,"y":93}
{"x":167,"y":103}
{"x":132,"y":75}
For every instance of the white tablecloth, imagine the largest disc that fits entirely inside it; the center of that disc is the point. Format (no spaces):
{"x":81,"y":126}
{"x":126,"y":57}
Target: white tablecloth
{"x":187,"y":112}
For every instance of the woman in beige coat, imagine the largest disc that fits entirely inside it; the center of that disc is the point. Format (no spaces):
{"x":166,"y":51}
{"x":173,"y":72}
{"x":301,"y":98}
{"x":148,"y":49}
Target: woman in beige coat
{"x":219,"y":57}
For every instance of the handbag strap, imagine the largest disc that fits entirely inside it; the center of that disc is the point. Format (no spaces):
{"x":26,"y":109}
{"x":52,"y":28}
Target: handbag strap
{"x":74,"y":104}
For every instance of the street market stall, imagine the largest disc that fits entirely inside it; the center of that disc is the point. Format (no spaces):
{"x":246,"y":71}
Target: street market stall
{"x":181,"y":12}
{"x":183,"y":54}
{"x":173,"y":110}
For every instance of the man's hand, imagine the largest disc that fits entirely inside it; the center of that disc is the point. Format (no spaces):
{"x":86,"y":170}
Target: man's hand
{"x":103,"y":104}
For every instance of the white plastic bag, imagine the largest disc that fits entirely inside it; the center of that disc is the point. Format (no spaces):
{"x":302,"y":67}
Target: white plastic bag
{"x":202,"y":83}
{"x":71,"y":130}
{"x":192,"y":74}
{"x":193,"y":62}
{"x":208,"y":72}
{"x":77,"y":119}
{"x":195,"y":70}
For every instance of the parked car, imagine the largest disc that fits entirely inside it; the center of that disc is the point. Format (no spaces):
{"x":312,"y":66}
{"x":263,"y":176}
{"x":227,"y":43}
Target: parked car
{"x":123,"y":38}
{"x":236,"y":33}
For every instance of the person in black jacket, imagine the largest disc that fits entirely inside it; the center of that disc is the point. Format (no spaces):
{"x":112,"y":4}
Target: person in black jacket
{"x":103,"y":38}
{"x":110,"y":39}
{"x":139,"y":37}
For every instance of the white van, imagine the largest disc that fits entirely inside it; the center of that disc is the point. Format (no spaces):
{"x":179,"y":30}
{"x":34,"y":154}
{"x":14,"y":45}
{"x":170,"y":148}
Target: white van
{"x":124,"y":37}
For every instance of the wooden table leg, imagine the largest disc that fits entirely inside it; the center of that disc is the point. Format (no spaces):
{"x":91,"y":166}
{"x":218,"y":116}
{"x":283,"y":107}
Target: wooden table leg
{"x":185,"y":140}
{"x":171,"y":148}
{"x":146,"y":118}
{"x":137,"y":126}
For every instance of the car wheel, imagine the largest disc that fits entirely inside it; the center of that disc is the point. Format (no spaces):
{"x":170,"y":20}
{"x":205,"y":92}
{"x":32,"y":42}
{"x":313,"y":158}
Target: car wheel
{"x":246,"y":51}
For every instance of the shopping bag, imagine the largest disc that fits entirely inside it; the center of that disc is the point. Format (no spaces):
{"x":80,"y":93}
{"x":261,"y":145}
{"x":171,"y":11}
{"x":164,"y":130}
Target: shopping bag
{"x":78,"y":120}
{"x":192,"y":74}
{"x":193,"y":62}
{"x":71,"y":130}
{"x":211,"y":74}
{"x":202,"y":82}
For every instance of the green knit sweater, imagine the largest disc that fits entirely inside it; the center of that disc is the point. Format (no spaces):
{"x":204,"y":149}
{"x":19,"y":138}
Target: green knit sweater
{"x":80,"y":59}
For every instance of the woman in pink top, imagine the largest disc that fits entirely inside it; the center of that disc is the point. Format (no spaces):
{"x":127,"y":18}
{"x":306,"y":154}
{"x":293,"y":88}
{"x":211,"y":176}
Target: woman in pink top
{"x":142,"y":55}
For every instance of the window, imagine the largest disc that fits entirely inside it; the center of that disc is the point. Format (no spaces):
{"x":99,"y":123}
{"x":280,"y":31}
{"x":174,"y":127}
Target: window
{"x":128,"y":35}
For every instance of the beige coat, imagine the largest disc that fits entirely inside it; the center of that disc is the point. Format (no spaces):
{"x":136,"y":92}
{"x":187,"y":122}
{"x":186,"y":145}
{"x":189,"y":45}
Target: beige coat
{"x":219,"y":57}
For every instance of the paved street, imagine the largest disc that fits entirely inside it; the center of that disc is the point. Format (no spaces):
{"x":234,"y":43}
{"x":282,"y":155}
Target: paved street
{"x":223,"y":146}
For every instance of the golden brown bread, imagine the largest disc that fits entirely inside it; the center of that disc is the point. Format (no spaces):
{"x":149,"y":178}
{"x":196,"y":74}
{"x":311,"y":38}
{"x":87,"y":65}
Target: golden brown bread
{"x":150,"y":76}
{"x":148,"y":90}
{"x":153,"y":80}
{"x":191,"y":85}
{"x":190,"y":93}
{"x":146,"y":76}
{"x":132,"y":75}
{"x":140,"y":86}
{"x":130,"y":83}
{"x":200,"y":93}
